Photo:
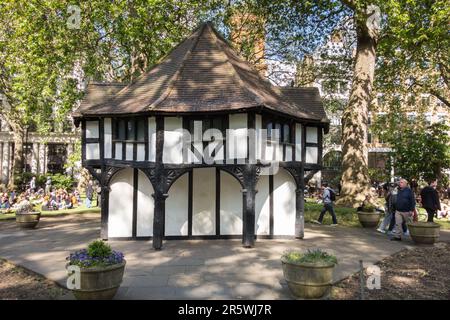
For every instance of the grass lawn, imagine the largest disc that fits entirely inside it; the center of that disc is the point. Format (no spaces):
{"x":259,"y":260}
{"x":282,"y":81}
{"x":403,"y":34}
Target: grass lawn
{"x":348,"y":217}
{"x":79,"y":210}
{"x":345,"y":216}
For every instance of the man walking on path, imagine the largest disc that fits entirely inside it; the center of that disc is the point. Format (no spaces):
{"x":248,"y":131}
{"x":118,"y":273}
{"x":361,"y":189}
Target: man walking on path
{"x":404,"y":206}
{"x":328,"y":198}
{"x":430,"y":200}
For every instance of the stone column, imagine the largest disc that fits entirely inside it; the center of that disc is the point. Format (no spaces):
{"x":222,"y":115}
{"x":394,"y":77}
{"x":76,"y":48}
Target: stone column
{"x":35,"y":158}
{"x":42,"y":156}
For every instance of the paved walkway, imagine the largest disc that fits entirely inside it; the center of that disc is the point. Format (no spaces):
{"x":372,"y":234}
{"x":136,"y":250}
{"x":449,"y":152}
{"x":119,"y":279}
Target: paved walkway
{"x":214,"y":269}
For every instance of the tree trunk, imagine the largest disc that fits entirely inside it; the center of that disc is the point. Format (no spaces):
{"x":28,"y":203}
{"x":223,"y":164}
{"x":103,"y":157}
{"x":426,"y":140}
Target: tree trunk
{"x":17,"y":164}
{"x":355,"y":176}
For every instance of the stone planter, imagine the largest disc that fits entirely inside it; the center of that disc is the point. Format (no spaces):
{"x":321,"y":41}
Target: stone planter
{"x":424,"y":232}
{"x":99,"y":283}
{"x":308,"y":280}
{"x":369,"y":219}
{"x":28,"y":220}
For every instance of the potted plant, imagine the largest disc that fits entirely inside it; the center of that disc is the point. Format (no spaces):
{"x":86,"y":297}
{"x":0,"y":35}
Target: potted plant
{"x":368,"y":216}
{"x":26,"y":217}
{"x":308,"y":275}
{"x":422,"y":232}
{"x":100,"y":271}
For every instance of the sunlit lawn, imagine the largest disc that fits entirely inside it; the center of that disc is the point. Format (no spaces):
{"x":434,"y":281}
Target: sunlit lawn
{"x":348,"y":216}
{"x":77,"y":210}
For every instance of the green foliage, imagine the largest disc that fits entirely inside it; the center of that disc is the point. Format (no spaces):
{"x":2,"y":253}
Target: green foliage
{"x":367,"y":207}
{"x":99,"y":249}
{"x":315,"y":256}
{"x":59,"y":181}
{"x":380,"y":174}
{"x":420,"y":151}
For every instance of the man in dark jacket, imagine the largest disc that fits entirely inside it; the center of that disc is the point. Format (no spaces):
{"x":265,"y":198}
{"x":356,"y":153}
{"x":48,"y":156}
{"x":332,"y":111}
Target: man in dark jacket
{"x":430,"y":200}
{"x":404,"y":207}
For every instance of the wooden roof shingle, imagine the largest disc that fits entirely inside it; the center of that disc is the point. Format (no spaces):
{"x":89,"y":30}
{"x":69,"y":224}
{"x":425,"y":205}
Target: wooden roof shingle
{"x":202,"y":74}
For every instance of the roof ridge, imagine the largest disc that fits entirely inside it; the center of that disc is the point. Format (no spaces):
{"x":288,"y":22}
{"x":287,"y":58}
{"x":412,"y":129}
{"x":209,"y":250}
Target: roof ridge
{"x":236,"y":74}
{"x":175,"y":77}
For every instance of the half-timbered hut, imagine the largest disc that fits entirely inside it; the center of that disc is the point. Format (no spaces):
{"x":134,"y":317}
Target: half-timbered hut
{"x":166,"y":175}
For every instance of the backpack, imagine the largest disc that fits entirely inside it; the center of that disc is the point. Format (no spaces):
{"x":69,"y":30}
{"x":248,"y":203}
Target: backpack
{"x":332,"y":194}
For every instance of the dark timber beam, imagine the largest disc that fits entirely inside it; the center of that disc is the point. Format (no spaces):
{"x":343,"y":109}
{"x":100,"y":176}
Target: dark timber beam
{"x":300,"y":207}
{"x":158,"y":184}
{"x":250,"y":178}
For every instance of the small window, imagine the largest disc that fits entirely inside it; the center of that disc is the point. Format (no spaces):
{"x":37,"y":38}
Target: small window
{"x":286,"y":133}
{"x":269,"y":128}
{"x":131,"y":130}
{"x":277,"y":133}
{"x":120,"y":130}
{"x":141,"y":130}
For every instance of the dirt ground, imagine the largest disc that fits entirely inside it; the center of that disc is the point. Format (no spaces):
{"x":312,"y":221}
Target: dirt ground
{"x":419,"y":273}
{"x":17,"y":283}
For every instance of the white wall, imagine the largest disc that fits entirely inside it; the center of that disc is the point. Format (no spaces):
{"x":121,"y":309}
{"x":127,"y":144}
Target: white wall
{"x":258,"y":127}
{"x":230,"y":205}
{"x":108,"y":138}
{"x":311,"y":135}
{"x":237,"y":146}
{"x":311,"y":154}
{"x":262,"y":207}
{"x":176,"y":219}
{"x":92,"y":151}
{"x":298,"y":142}
{"x":204,"y":203}
{"x":92,"y":129}
{"x":140,"y":156}
{"x":118,"y":151}
{"x":173,"y":142}
{"x":121,"y":204}
{"x":129,"y":151}
{"x":283,"y":203}
{"x":145,"y":207}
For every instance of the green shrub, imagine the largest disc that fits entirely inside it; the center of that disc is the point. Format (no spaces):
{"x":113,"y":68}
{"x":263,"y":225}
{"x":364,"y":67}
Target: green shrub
{"x":316,"y":256}
{"x":60,"y":181}
{"x":368,"y":208}
{"x":99,"y":249}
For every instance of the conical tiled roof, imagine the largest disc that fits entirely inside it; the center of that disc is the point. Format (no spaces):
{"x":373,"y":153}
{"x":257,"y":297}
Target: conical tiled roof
{"x":204,"y":74}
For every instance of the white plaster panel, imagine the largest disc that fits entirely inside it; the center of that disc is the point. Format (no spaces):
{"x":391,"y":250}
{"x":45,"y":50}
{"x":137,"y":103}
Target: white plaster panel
{"x":312,"y":135}
{"x":121,"y":204}
{"x":108,"y":138}
{"x":238,"y":134}
{"x":288,"y":153}
{"x":311,"y":154}
{"x":230,"y":206}
{"x":298,"y":142}
{"x":129,"y":151}
{"x":204,"y":202}
{"x":92,"y":151}
{"x":262,"y":207}
{"x":176,"y":221}
{"x":118,"y":151}
{"x":173,"y":140}
{"x":92,"y":129}
{"x":283,"y":204}
{"x":140,"y":156}
{"x":258,"y":128}
{"x":145,"y":207}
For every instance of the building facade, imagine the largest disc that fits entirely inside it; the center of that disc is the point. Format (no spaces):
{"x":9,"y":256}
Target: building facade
{"x":42,"y":153}
{"x":201,"y":147}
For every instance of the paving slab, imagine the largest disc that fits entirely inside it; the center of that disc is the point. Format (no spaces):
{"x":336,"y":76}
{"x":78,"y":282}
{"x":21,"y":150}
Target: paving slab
{"x":192,"y":269}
